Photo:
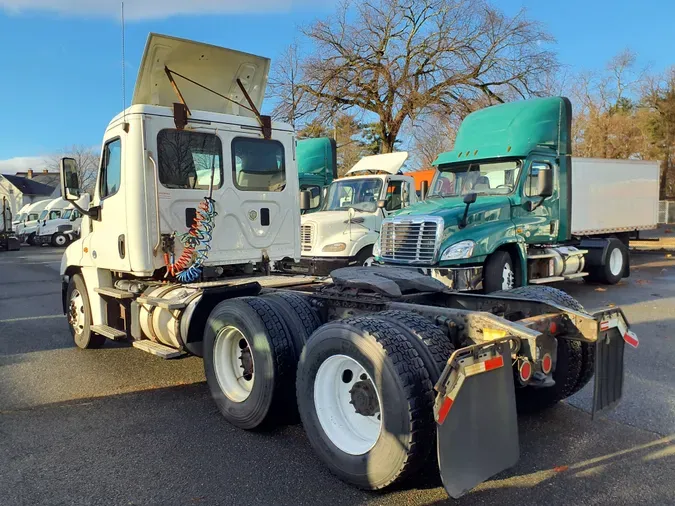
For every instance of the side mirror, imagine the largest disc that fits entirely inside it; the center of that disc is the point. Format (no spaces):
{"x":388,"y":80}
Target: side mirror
{"x":470,"y":198}
{"x":305,"y":200}
{"x":70,"y":184}
{"x":381,"y":204}
{"x":424,"y":189}
{"x":545,"y":183}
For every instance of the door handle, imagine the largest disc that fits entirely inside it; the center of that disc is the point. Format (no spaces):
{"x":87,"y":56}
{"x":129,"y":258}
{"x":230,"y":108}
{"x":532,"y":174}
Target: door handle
{"x":121,"y":247}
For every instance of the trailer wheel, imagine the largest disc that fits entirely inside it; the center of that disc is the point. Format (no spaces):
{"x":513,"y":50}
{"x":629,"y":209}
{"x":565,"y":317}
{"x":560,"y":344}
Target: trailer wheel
{"x":499,"y":272}
{"x":59,"y":239}
{"x":430,"y":342}
{"x":610,"y":265}
{"x":366,"y":402}
{"x":249,"y":362}
{"x":79,"y":315}
{"x":298,"y":316}
{"x":576,"y":361}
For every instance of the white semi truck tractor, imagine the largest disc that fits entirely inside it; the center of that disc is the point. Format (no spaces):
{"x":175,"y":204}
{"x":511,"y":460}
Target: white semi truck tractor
{"x":389,"y":370}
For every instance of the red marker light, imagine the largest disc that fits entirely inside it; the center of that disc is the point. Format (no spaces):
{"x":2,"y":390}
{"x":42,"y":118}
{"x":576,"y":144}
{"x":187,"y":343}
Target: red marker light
{"x":546,"y":364}
{"x":525,"y":371}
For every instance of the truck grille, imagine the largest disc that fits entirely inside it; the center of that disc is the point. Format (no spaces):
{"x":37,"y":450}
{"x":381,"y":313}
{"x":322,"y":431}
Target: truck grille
{"x":411,"y":240}
{"x":306,"y":237}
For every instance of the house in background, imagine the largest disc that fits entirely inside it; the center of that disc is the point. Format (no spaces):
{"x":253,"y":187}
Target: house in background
{"x":28,"y":187}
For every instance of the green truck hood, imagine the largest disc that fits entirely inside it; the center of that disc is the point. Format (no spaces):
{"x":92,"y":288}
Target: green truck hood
{"x":489,"y":220}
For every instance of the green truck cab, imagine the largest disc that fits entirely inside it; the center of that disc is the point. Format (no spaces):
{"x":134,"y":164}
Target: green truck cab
{"x":500,"y":211}
{"x":317,"y":167}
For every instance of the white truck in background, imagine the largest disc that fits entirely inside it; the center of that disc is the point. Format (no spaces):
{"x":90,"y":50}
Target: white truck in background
{"x":343,"y":231}
{"x":26,"y":230}
{"x":197,"y":197}
{"x":60,"y":227}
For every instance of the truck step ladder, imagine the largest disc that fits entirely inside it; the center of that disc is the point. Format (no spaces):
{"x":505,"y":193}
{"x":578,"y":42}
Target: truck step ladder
{"x":541,"y":281}
{"x":114,"y":293}
{"x":108,"y":332}
{"x":576,"y":276}
{"x":157,"y":349}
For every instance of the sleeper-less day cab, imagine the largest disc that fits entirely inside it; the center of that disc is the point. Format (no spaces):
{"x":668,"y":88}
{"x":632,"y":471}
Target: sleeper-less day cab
{"x":510,"y":206}
{"x":197,"y":197}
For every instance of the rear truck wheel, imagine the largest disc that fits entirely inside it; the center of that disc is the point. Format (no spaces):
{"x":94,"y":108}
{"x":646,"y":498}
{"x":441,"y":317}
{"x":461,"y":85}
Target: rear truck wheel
{"x":431,"y":343}
{"x":31,"y":239}
{"x":366,"y":402}
{"x":59,"y":240}
{"x":499,"y":272}
{"x":575,"y":362}
{"x":612,"y":265}
{"x":249,"y":362}
{"x":297,"y":314}
{"x":79,"y":315}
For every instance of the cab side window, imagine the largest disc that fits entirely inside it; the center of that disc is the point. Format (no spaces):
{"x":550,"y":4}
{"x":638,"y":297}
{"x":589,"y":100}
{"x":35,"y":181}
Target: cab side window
{"x":111,"y":168}
{"x":532,"y":181}
{"x":394,"y":197}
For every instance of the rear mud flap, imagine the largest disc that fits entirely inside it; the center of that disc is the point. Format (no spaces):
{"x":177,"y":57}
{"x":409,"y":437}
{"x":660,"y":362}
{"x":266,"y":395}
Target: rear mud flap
{"x":477,"y":426}
{"x":612,"y":338}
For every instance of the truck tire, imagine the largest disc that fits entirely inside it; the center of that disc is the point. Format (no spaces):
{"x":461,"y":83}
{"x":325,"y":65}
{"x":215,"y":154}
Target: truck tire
{"x":298,"y":316}
{"x":430,"y":342}
{"x":365,"y":257}
{"x":31,"y":239}
{"x":351,"y":372}
{"x":79,"y":315}
{"x":577,"y":365}
{"x":249,"y":362}
{"x":499,"y":273}
{"x":612,"y":266}
{"x":59,"y":240}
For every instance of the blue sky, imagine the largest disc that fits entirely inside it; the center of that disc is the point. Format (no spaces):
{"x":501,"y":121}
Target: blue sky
{"x":60,"y":81}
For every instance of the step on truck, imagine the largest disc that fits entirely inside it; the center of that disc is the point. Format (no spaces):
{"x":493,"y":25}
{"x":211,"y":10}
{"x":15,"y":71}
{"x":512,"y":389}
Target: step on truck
{"x":343,"y":230}
{"x":390,"y":372}
{"x":510,"y":206}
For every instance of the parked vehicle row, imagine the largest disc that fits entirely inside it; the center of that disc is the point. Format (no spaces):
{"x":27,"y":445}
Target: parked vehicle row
{"x":389,"y":370}
{"x":53,"y":222}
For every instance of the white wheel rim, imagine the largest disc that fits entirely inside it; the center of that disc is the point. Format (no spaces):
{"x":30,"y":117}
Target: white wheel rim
{"x":369,"y":261}
{"x":60,"y":240}
{"x":507,"y":277}
{"x":353,"y":433}
{"x":615,"y":262}
{"x":76,"y":311}
{"x":234,"y":369}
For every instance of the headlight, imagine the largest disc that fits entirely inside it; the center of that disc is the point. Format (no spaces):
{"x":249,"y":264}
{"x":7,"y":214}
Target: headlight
{"x":463,"y":249}
{"x":332,"y":248}
{"x":376,"y":248}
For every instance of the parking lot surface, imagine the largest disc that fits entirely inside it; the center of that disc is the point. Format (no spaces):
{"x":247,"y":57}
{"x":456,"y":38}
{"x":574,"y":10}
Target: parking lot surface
{"x":120,"y":427}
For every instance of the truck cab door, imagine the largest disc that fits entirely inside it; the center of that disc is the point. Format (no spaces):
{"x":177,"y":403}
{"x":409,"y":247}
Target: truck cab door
{"x":537,"y":220}
{"x":107,"y":237}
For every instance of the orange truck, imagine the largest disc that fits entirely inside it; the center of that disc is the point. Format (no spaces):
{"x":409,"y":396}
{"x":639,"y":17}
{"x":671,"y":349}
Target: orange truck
{"x":422,"y":175}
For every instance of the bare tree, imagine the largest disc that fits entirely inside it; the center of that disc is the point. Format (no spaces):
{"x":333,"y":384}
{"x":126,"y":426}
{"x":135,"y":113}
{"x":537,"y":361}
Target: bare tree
{"x":285,"y":85}
{"x":432,"y":134}
{"x":87,"y":160}
{"x":397,"y":59}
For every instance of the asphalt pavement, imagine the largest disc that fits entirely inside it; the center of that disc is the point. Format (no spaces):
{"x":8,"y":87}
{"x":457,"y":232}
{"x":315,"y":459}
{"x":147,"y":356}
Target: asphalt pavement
{"x":117,"y":426}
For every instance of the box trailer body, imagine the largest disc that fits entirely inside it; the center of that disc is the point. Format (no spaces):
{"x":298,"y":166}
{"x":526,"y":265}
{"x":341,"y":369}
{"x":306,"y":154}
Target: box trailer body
{"x":614,"y":196}
{"x":197,"y":197}
{"x":510,"y":206}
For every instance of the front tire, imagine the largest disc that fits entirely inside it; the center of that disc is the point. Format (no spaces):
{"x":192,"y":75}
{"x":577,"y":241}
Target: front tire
{"x":499,"y":273}
{"x":366,"y":402}
{"x":59,"y":240}
{"x":79,"y":315}
{"x":249,"y":362}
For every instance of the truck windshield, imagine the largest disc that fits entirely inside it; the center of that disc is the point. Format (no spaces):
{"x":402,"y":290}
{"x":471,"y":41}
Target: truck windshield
{"x":361,"y":194}
{"x":43,"y":215}
{"x":21,"y":217}
{"x":496,"y":178}
{"x":66,"y":214}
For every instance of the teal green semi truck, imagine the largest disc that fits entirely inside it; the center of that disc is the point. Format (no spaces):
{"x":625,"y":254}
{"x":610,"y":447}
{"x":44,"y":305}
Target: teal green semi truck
{"x":510,"y":206}
{"x":317,"y":167}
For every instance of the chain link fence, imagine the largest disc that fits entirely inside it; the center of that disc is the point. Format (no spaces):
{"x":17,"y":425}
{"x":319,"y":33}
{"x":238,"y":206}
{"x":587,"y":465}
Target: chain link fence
{"x":667,"y":211}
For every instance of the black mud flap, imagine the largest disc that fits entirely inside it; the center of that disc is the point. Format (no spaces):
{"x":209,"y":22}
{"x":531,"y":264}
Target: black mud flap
{"x":613,"y":334}
{"x":477,"y":426}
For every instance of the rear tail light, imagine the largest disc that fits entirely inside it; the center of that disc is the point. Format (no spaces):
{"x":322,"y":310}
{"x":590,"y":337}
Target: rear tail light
{"x":546,"y":364}
{"x":525,"y":370}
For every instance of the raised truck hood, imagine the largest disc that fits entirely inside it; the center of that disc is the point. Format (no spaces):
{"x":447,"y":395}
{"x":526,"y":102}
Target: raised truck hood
{"x":214,"y":67}
{"x":390,"y":163}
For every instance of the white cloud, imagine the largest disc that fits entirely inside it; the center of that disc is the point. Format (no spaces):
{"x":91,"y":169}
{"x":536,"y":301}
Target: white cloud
{"x":23,"y":163}
{"x":148,"y":9}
